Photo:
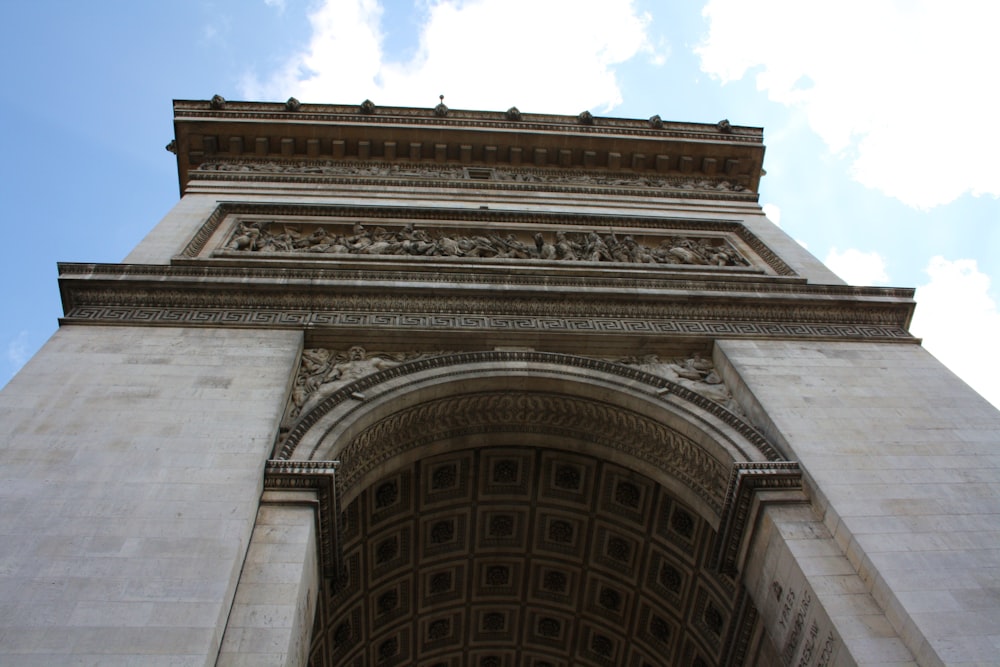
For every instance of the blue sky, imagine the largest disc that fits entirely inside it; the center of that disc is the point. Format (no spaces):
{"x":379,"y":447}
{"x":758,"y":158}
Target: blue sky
{"x":881,"y":158}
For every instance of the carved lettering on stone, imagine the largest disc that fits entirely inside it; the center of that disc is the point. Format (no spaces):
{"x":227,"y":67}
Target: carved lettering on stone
{"x":273,"y":237}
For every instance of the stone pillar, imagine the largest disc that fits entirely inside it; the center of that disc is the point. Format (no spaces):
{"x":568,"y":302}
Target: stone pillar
{"x":131,"y":467}
{"x":271,"y":620}
{"x":899,"y":457}
{"x":815,"y":609}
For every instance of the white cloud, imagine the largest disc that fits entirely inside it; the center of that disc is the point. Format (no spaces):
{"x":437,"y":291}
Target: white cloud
{"x":857,"y":267}
{"x":277,"y":4}
{"x":17,"y":351}
{"x":773,"y":213}
{"x":555,"y":56}
{"x":901,"y":88}
{"x":960,"y":323}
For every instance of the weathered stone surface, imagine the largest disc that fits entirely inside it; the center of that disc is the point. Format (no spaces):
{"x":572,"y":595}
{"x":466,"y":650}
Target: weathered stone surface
{"x":900,"y":457}
{"x":581,"y":401}
{"x":130,"y":469}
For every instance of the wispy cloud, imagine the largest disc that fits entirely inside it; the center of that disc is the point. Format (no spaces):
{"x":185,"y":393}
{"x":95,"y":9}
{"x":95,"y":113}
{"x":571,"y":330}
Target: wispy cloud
{"x":960,"y":322}
{"x":773,"y":213}
{"x":556,"y":56}
{"x":899,"y":88}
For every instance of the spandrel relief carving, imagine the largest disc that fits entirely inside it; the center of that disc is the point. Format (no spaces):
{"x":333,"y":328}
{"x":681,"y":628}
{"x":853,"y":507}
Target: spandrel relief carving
{"x":322,"y":372}
{"x":275,"y":237}
{"x":696,"y":373}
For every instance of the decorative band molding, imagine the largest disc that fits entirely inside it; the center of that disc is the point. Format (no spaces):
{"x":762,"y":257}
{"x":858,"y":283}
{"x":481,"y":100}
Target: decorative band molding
{"x":304,"y":319}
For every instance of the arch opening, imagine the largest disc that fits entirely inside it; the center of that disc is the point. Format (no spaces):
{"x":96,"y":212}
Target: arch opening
{"x":530,"y":509}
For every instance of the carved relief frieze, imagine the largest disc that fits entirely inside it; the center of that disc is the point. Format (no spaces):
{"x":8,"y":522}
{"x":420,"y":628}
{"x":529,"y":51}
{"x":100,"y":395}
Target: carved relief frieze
{"x":523,"y":178}
{"x":733,"y":236}
{"x":266,"y":237}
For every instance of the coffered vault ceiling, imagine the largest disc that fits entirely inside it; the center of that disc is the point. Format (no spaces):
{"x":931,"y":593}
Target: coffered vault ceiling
{"x":521,"y":555}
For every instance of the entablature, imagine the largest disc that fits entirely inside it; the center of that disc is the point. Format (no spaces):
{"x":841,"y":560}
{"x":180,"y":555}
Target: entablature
{"x":316,"y":137}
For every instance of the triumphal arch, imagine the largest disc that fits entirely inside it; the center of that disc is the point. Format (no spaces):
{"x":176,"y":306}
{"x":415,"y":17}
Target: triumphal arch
{"x":402,"y":386}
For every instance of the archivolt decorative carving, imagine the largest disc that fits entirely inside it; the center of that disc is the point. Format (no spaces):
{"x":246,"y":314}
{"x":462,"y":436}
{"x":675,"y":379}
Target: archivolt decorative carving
{"x":269,"y":237}
{"x":322,"y":372}
{"x":497,"y":412}
{"x":423,"y":362}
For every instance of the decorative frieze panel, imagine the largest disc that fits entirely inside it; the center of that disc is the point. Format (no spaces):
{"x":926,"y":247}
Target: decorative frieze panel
{"x":481,"y":177}
{"x":302,"y":221}
{"x":269,"y":237}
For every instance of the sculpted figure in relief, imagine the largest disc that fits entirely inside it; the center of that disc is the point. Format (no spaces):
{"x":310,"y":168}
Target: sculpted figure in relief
{"x":695,"y":373}
{"x":269,"y":237}
{"x":322,"y":372}
{"x":331,"y":168}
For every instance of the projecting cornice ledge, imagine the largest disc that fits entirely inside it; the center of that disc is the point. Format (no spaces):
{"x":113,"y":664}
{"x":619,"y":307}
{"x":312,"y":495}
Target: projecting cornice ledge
{"x":325,"y":299}
{"x":311,"y":138}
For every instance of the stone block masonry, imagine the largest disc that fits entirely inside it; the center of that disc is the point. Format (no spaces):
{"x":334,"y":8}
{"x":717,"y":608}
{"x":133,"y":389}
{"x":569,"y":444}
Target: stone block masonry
{"x":131,"y":462}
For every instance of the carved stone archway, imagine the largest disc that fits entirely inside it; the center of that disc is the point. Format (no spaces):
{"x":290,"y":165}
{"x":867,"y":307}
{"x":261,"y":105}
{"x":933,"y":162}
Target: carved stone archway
{"x":512,"y":508}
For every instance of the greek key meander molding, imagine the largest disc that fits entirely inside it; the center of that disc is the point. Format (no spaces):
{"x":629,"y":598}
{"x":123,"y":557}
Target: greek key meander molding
{"x":193,"y":316}
{"x":597,"y":308}
{"x":629,"y":375}
{"x":348,"y":215}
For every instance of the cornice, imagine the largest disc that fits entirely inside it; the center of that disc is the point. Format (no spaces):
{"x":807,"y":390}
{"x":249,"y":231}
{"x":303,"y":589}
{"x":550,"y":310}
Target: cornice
{"x":348,"y":273}
{"x":273,"y":297}
{"x":352,"y":113}
{"x":213,"y":130}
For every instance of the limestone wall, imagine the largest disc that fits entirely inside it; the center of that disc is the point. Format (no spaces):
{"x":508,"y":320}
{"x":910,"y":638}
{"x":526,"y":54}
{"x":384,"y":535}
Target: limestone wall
{"x":131,"y":462}
{"x":901,"y":458}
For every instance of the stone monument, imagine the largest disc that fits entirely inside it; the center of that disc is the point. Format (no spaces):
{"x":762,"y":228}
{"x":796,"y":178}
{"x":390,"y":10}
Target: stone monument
{"x":401,"y":386}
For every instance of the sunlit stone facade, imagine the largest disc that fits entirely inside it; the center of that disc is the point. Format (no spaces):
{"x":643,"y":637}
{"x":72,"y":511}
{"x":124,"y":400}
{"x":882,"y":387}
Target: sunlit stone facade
{"x":396,"y":386}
